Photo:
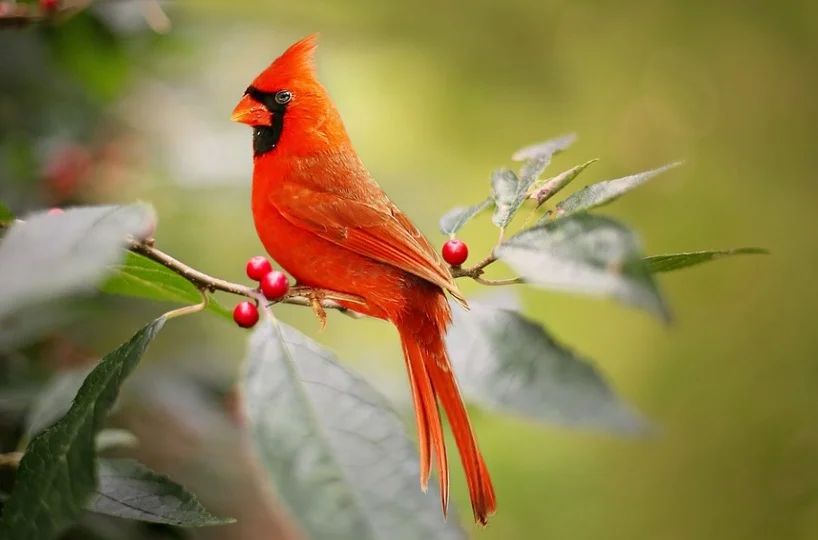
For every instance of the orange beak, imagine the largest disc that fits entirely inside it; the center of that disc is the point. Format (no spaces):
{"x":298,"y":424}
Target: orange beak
{"x":251,"y":112}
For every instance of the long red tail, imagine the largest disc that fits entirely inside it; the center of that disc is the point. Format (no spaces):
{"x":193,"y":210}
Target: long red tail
{"x":432,"y":380}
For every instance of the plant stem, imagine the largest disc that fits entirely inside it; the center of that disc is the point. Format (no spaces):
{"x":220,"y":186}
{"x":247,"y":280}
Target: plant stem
{"x":298,"y":296}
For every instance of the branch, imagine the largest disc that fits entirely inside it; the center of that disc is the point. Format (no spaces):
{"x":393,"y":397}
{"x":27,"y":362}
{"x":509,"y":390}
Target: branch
{"x":205,"y":282}
{"x":476,"y":272}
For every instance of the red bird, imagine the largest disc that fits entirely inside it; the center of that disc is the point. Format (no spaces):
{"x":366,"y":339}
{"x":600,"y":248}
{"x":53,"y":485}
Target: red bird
{"x":323,"y":218}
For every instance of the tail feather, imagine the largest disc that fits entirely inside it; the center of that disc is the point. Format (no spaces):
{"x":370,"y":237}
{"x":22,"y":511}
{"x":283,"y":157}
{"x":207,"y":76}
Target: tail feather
{"x":432,"y":380}
{"x":430,"y":429}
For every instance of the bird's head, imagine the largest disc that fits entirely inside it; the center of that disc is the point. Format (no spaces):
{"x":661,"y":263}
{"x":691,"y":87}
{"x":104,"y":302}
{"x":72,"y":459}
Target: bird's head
{"x":286,"y":104}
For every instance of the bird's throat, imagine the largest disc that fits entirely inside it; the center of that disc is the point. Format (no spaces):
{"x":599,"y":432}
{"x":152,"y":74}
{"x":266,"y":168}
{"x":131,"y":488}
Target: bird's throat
{"x":265,"y":138}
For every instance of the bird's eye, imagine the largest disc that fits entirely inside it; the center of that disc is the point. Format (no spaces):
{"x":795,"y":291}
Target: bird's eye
{"x":283,"y":97}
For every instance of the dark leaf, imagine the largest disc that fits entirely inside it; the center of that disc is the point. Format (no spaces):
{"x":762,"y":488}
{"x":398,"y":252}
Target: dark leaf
{"x":55,"y":398}
{"x":6,"y":215}
{"x":605,"y":192}
{"x":677,"y":261}
{"x":504,"y":188}
{"x":334,"y":448}
{"x":585,"y":254}
{"x":509,"y":363}
{"x":50,"y":256}
{"x":139,"y":276}
{"x":453,"y":220}
{"x":58,"y":472}
{"x":128,"y":489}
{"x":553,"y":185}
{"x":548,"y":148}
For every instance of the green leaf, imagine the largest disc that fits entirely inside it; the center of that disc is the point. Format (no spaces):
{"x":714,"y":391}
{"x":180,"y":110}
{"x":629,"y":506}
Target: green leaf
{"x":509,"y":363}
{"x":334,"y":448}
{"x":6,"y":215}
{"x":54,"y":400}
{"x":58,"y":472}
{"x":585,"y":254}
{"x":504,"y":188}
{"x":550,"y":147}
{"x":128,"y":489}
{"x":551,"y":186}
{"x":453,"y":220}
{"x":605,"y":192}
{"x":139,"y":276}
{"x":677,"y":261}
{"x":50,"y":256}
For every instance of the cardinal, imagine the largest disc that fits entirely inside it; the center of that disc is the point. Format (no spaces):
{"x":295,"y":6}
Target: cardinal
{"x":323,"y":218}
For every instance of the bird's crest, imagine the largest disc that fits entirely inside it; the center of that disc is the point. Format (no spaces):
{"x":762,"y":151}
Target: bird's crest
{"x":297,"y":62}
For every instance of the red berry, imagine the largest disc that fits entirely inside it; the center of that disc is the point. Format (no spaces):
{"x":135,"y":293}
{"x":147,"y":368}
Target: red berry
{"x":245,"y":314}
{"x":455,"y":252}
{"x":49,"y":6}
{"x":55,"y":211}
{"x":258,"y":267}
{"x":275,"y":285}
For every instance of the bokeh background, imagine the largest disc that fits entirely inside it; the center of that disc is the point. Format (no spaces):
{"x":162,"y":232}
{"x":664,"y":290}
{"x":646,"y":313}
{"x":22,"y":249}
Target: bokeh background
{"x":131,"y":100}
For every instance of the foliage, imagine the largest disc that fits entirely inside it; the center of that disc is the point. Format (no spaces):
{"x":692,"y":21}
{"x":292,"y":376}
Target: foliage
{"x":306,"y":412}
{"x":332,"y":446}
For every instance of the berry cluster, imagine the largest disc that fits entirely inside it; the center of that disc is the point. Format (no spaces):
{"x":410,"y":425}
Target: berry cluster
{"x":273,"y":284}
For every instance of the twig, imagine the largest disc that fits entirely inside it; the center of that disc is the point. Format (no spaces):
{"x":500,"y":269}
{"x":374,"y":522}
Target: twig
{"x":473,"y":271}
{"x":203,"y":281}
{"x":498,"y":282}
{"x":12,"y":459}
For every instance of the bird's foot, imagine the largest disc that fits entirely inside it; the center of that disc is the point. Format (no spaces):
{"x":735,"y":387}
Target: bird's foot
{"x":319,"y":299}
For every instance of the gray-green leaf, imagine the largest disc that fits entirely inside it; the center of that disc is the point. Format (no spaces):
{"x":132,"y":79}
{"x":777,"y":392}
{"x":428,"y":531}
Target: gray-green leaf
{"x":49,"y":256}
{"x":677,"y":261}
{"x":128,"y":489}
{"x":453,"y":220}
{"x":504,"y":190}
{"x":58,"y":472}
{"x":137,"y":275}
{"x":585,"y":254}
{"x":337,"y":453}
{"x":607,"y":191}
{"x":510,"y":363}
{"x":550,"y":187}
{"x":548,"y":148}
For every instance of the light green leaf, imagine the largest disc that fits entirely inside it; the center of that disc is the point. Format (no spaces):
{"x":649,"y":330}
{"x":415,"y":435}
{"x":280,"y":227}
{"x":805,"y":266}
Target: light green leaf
{"x":6,"y":215}
{"x":50,"y":256}
{"x":551,"y":186}
{"x":58,"y":472}
{"x":550,"y":147}
{"x":510,"y":364}
{"x":605,"y":192}
{"x":137,"y":275}
{"x":677,"y":261}
{"x":454,"y":220}
{"x":585,"y":254}
{"x":128,"y":489}
{"x":334,"y":448}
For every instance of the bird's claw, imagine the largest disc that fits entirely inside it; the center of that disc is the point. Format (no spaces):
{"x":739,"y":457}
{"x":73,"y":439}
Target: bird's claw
{"x":316,"y":299}
{"x":320,"y":313}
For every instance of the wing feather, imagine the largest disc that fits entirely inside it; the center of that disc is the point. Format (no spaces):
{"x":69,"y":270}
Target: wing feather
{"x":373,"y":227}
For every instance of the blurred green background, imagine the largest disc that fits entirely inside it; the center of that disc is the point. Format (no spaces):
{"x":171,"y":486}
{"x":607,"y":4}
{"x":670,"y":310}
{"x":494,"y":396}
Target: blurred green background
{"x":435,"y":95}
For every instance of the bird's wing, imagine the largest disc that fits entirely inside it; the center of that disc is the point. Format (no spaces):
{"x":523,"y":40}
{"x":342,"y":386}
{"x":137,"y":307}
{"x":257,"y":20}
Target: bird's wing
{"x":372,"y":226}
